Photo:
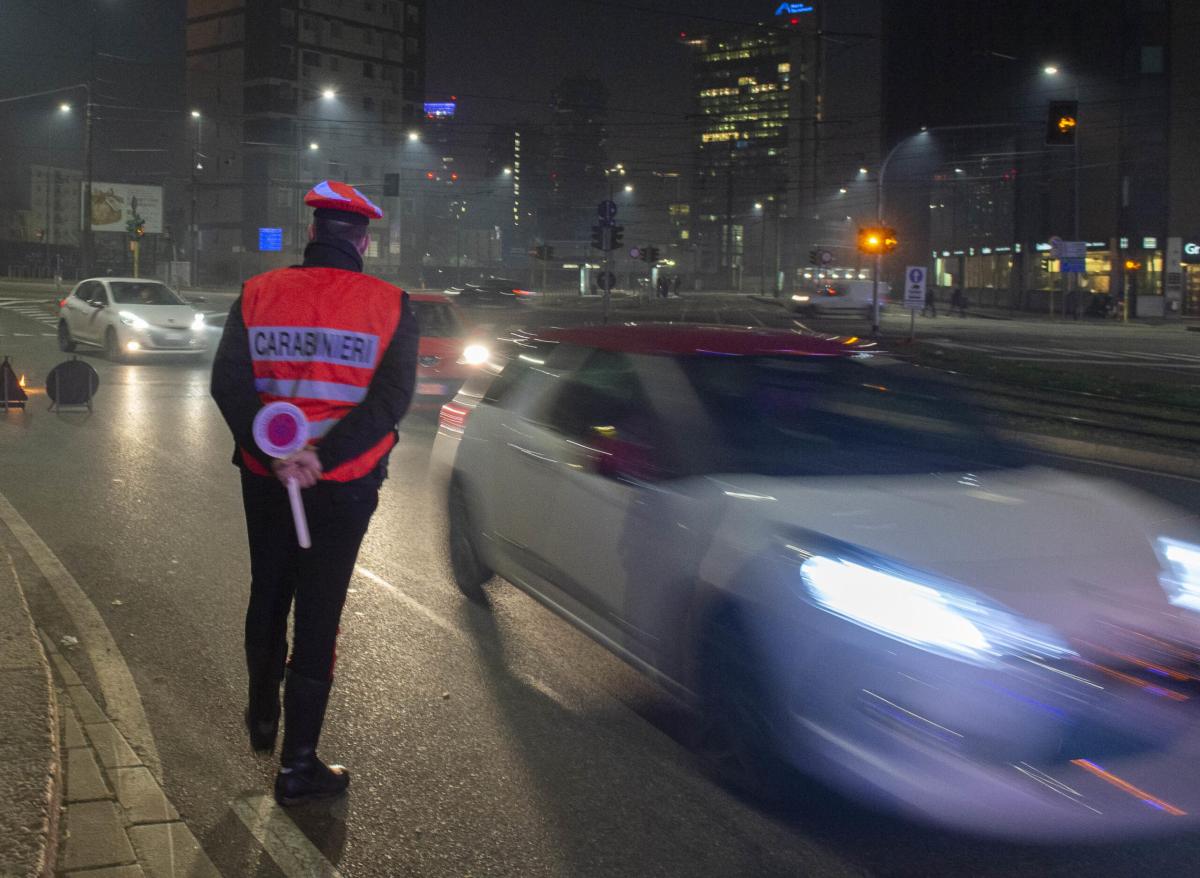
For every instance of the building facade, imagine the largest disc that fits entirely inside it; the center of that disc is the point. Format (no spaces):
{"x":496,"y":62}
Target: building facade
{"x":284,"y":93}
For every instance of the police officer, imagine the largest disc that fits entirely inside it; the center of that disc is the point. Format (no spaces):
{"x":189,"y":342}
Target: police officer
{"x":343,"y":347}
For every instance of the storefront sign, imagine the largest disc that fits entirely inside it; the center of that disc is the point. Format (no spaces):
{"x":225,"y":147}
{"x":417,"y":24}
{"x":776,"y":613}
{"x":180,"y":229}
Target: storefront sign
{"x":1191,"y":253}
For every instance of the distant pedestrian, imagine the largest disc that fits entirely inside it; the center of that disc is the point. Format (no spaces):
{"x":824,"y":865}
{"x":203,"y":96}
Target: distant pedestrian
{"x":958,"y":302}
{"x":930,"y":309}
{"x":675,"y":283}
{"x":664,"y":287}
{"x":342,"y":346}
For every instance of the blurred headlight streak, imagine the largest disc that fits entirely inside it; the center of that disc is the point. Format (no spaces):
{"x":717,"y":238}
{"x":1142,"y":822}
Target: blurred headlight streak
{"x":475,"y":355}
{"x":1181,"y":578}
{"x":941,"y":618}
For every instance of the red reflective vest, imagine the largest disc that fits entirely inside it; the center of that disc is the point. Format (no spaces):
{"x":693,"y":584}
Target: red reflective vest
{"x":316,"y":337}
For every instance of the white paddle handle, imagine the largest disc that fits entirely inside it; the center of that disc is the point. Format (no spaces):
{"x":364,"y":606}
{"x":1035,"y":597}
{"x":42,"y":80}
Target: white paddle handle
{"x":293,"y":489}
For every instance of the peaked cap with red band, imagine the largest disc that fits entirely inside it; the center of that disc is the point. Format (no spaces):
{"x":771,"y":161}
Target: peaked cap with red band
{"x":332,"y":195}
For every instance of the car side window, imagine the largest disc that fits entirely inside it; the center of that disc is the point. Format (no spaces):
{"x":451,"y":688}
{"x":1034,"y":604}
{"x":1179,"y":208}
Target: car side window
{"x":97,"y":293}
{"x":83,"y":292}
{"x":604,"y":395}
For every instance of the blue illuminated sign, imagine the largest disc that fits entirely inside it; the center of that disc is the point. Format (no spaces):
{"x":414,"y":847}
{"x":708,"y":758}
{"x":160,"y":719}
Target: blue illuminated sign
{"x":793,"y":9}
{"x":270,"y":239}
{"x":440,"y":110}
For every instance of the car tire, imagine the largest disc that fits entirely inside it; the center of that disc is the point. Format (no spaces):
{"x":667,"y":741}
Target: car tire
{"x":112,"y":345}
{"x":739,"y":715}
{"x":470,"y":573}
{"x":65,"y":342}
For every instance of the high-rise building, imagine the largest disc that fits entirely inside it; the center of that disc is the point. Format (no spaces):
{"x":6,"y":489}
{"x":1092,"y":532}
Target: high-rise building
{"x":781,"y":114}
{"x":284,"y":93}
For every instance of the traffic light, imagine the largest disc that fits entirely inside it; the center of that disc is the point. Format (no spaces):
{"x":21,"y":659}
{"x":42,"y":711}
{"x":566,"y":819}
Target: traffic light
{"x":140,"y":230}
{"x":602,"y":237}
{"x":547,"y":252}
{"x":652,"y":253}
{"x":813,"y":258}
{"x":877,"y":239}
{"x":618,"y":235}
{"x":1062,"y":121}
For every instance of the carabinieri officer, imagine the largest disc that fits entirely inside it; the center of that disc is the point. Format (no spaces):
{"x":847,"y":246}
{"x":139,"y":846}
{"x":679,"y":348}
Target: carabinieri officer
{"x":343,"y":347}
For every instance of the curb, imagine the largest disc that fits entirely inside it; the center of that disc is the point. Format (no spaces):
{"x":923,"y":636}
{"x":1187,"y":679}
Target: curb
{"x":30,"y":759}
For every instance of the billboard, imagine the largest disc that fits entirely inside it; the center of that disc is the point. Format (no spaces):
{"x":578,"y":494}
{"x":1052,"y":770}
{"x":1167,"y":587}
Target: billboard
{"x":439,"y":110}
{"x":113,"y":205}
{"x":270,"y":240}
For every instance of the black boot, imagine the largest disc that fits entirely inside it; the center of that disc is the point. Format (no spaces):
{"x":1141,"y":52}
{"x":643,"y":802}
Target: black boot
{"x":302,"y":776}
{"x":265,"y":671}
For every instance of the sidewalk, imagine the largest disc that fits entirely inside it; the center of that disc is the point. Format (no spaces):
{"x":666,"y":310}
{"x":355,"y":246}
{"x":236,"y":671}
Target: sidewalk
{"x":29,"y":755}
{"x":77,"y":799}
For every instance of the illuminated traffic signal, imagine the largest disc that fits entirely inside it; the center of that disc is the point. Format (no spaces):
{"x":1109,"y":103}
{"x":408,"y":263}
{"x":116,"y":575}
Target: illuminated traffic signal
{"x":140,"y":230}
{"x":1062,"y":122}
{"x":877,"y":239}
{"x":1132,"y":265}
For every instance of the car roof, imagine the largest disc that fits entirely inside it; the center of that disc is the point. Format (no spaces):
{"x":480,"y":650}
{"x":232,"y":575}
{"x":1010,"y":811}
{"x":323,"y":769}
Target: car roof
{"x":683,"y":339}
{"x":130,"y":280}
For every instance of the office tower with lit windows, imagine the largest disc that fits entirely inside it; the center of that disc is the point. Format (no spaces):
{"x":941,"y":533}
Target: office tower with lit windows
{"x":778,"y":115}
{"x":285,"y":93}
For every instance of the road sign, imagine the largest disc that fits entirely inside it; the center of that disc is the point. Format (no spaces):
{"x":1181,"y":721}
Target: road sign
{"x":826,"y":257}
{"x":1072,"y":256}
{"x":606,"y":280}
{"x":914,"y":286}
{"x":635,"y":252}
{"x":270,"y":240}
{"x":607,"y":210}
{"x":1056,"y":248}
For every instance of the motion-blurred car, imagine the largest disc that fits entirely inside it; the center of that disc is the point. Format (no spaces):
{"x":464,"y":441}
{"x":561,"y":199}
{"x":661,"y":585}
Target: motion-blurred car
{"x":493,"y":292}
{"x":845,"y":573}
{"x":128,"y":317}
{"x":840,"y":297}
{"x":447,"y":354}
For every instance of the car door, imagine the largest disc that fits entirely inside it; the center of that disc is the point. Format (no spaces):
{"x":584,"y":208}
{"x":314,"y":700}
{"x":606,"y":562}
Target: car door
{"x":76,"y":308}
{"x":94,"y":317}
{"x":606,"y":516}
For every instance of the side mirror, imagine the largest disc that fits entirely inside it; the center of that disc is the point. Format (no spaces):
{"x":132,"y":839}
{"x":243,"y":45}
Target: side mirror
{"x":200,"y":300}
{"x":96,"y":303}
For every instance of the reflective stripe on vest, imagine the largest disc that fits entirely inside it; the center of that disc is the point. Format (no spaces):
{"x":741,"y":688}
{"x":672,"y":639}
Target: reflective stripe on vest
{"x":316,"y":336}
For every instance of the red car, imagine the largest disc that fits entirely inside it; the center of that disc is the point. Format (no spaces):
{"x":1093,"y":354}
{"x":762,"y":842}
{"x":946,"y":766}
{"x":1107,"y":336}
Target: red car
{"x":447,"y":356}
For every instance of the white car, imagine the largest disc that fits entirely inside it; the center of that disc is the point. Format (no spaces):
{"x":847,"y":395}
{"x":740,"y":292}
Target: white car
{"x":128,"y":316}
{"x":840,"y":297}
{"x":844,"y":572}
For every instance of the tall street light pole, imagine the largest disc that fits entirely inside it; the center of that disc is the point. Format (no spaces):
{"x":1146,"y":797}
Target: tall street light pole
{"x":194,"y":237}
{"x":879,"y":181}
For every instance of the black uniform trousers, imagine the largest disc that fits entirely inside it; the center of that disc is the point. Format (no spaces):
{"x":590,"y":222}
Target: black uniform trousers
{"x":315,"y":579}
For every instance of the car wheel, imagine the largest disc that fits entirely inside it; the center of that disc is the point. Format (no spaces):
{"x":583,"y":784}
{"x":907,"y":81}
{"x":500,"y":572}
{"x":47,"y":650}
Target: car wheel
{"x":112,"y":345}
{"x":470,"y":573}
{"x":65,"y":342}
{"x":740,"y":715}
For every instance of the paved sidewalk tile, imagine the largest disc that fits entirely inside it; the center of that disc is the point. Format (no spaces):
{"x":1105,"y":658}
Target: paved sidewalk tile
{"x":95,"y":836}
{"x":72,"y":731}
{"x":84,"y":782}
{"x":114,"y":872}
{"x":69,"y":677}
{"x":110,"y":745}
{"x":89,"y":710}
{"x":169,"y":850}
{"x":139,"y":793}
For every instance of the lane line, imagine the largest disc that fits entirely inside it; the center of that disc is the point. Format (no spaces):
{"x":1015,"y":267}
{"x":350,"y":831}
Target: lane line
{"x":410,"y":602}
{"x":293,"y":853}
{"x":122,"y":701}
{"x":1084,"y":362}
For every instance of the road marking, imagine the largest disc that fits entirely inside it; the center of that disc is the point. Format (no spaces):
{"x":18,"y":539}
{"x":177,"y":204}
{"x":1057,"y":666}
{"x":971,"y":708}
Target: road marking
{"x":1086,"y":362}
{"x":293,"y":853}
{"x":410,"y":602}
{"x":123,"y":703}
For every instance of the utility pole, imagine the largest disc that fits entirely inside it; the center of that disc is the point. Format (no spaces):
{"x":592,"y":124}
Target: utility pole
{"x":728,"y":217}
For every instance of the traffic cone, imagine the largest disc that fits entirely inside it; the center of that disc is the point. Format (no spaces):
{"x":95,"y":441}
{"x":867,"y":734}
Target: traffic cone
{"x":12,"y":394}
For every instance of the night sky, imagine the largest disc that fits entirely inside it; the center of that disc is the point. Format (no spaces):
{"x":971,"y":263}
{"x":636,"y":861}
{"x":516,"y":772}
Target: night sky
{"x":501,"y":58}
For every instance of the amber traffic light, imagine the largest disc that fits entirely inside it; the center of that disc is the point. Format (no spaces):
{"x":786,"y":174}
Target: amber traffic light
{"x":1062,"y":121}
{"x":877,"y":239}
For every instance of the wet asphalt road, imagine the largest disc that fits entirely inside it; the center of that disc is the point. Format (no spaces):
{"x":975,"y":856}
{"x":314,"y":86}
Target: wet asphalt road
{"x":482,"y":743}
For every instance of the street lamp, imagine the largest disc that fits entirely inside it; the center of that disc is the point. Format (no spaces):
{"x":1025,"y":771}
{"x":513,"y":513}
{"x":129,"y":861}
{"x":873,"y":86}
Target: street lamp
{"x":314,"y":146}
{"x":508,"y":172}
{"x":64,"y":108}
{"x":628,"y":187}
{"x":328,"y":94}
{"x":1050,"y":70}
{"x":197,"y":165}
{"x":842,"y":190}
{"x":413,"y":137}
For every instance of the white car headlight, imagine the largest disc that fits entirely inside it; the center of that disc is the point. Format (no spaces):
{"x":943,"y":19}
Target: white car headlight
{"x":799,"y":298}
{"x":132,"y":320}
{"x":475,"y":355}
{"x":197,"y":322}
{"x":939,"y":617}
{"x":1180,"y":578}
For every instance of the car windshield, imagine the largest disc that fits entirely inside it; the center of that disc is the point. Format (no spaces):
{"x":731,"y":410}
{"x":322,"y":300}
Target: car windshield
{"x":135,"y":293}
{"x":437,"y":319}
{"x":791,"y":416}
